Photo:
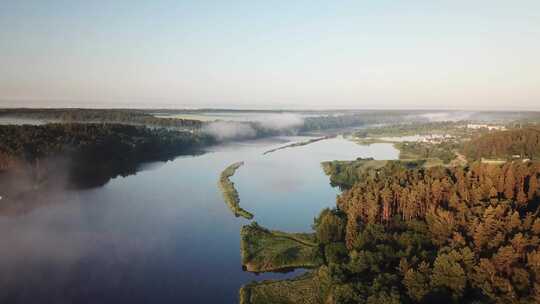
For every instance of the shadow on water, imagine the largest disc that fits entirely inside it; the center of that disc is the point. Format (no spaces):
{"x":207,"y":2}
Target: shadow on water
{"x":88,"y":171}
{"x":30,"y":186}
{"x":163,"y":235}
{"x":296,"y":270}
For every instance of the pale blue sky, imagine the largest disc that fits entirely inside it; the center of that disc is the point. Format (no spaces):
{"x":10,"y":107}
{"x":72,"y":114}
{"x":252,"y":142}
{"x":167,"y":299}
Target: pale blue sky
{"x":262,"y":54}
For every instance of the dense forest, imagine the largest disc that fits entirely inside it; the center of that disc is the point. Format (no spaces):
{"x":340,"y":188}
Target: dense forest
{"x":322,"y":121}
{"x":93,"y":150}
{"x":522,"y":143}
{"x":319,"y":121}
{"x":362,"y":118}
{"x":436,"y":235}
{"x":444,"y":150}
{"x":407,"y":232}
{"x":123,"y":116}
{"x":111,"y":140}
{"x":458,"y":128}
{"x":344,"y":174}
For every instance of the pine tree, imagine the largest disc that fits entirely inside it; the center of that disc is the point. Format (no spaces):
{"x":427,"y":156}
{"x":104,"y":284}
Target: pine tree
{"x":447,"y":272}
{"x":532,"y":187}
{"x":509,"y":183}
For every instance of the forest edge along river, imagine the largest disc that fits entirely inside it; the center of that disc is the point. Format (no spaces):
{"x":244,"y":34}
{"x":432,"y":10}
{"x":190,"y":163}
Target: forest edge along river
{"x":164,"y":233}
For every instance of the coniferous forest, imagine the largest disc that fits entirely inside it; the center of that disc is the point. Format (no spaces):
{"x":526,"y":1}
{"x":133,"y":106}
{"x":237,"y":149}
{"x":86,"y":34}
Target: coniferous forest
{"x":91,"y":153}
{"x":403,"y":232}
{"x":514,"y":143}
{"x":438,"y":235}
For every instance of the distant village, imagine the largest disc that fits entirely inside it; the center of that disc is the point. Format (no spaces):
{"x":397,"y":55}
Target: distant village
{"x":486,"y":126}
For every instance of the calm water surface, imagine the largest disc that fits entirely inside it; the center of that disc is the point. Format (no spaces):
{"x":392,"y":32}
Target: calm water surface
{"x":22,"y":121}
{"x":165,"y":235}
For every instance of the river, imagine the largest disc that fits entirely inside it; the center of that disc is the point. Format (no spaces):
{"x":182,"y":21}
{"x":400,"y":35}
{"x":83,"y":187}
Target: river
{"x":165,"y":235}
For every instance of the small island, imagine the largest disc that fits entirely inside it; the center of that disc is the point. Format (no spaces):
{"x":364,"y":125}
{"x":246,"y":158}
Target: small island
{"x":230,"y":194}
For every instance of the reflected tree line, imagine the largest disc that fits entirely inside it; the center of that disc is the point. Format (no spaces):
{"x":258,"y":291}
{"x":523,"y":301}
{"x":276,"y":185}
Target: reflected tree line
{"x":38,"y":159}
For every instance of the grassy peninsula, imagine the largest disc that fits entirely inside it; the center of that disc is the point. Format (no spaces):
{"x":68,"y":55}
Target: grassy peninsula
{"x":305,"y":289}
{"x":264,"y":250}
{"x":299,"y":144}
{"x":230,"y":194}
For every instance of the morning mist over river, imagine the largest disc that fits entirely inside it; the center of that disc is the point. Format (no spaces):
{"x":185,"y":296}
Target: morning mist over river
{"x":164,"y":234}
{"x":269,"y":152}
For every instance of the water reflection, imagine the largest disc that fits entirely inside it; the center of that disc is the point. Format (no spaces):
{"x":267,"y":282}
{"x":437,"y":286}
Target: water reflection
{"x":6,"y":120}
{"x":165,"y":235}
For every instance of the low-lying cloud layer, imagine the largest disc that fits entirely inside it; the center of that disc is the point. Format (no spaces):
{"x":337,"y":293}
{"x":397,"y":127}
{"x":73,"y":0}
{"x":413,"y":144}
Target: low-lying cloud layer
{"x":281,"y":121}
{"x":226,"y":130}
{"x":447,"y":116}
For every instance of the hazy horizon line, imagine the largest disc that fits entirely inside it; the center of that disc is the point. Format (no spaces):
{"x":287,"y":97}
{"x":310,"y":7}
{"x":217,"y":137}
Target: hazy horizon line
{"x":140,"y":105}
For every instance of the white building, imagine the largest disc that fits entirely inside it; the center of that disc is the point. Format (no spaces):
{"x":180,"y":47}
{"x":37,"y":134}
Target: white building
{"x":486,"y":126}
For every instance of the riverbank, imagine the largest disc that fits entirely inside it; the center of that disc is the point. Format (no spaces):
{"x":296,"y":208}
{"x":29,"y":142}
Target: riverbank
{"x":265,"y":250}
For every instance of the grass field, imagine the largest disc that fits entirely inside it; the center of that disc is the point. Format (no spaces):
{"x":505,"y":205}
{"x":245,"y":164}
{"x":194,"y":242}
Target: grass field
{"x":265,"y":250}
{"x":306,"y":289}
